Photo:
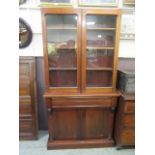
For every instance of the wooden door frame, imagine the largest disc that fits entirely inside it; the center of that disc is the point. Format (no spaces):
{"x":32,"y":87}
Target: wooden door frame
{"x":64,"y":11}
{"x":116,"y":12}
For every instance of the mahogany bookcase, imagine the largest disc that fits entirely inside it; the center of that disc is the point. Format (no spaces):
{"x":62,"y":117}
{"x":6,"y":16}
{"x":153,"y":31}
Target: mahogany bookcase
{"x":80,"y":59}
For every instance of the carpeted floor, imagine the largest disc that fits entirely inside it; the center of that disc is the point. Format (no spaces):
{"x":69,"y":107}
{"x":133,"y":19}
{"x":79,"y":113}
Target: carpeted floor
{"x":39,"y":147}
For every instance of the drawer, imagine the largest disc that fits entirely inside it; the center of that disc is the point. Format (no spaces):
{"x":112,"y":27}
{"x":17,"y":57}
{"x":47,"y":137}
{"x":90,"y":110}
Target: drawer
{"x":24,"y":100}
{"x":25,"y":109}
{"x":129,"y":107}
{"x":80,"y":102}
{"x":129,"y":121}
{"x":24,"y":89}
{"x":128,"y":137}
{"x":25,"y":126}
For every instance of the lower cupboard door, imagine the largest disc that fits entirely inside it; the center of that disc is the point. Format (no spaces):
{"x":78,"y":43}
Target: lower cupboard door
{"x":63,"y":124}
{"x":98,"y":123}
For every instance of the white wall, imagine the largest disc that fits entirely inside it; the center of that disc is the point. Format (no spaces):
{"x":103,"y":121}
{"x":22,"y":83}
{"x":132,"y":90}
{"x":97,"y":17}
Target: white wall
{"x":31,"y":13}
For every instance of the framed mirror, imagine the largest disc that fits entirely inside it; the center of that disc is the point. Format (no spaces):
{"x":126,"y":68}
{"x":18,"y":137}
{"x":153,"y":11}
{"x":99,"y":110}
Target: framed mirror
{"x":25,"y":33}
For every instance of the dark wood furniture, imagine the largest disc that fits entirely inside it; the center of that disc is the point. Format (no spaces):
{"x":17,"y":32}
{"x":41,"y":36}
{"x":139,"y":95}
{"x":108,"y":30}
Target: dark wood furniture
{"x":80,"y":59}
{"x":28,"y":124}
{"x":125,"y":121}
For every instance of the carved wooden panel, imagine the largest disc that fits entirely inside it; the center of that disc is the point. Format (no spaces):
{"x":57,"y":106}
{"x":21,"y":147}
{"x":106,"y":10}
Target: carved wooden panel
{"x":27,"y":99}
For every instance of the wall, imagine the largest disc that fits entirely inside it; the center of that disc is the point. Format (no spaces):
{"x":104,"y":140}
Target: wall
{"x":31,"y":13}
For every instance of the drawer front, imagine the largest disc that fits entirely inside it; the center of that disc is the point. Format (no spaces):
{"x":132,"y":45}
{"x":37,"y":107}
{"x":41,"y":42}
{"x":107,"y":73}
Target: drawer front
{"x":24,"y":100}
{"x":25,"y":109}
{"x":129,"y":121}
{"x":129,"y":107}
{"x":24,"y":89}
{"x":128,"y":137}
{"x":26,"y":126}
{"x":79,"y":102}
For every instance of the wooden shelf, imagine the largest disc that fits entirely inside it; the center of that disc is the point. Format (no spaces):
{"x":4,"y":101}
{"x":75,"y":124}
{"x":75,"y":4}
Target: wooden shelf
{"x":100,"y":69}
{"x":62,"y":68}
{"x":54,"y":4}
{"x":100,"y":48}
{"x":108,"y":29}
{"x":61,"y":28}
{"x":66,"y":48}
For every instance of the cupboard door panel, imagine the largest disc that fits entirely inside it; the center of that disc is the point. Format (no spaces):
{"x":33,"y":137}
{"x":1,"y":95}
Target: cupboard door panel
{"x":64,"y":124}
{"x":97,"y":123}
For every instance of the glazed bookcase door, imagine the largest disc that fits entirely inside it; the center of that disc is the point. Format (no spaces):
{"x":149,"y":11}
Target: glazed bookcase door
{"x":62,"y":49}
{"x":99,"y":53}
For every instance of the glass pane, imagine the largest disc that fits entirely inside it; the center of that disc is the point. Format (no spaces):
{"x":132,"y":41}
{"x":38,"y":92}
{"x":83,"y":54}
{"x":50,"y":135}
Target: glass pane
{"x":99,"y":58}
{"x":100,"y":50}
{"x":99,"y":78}
{"x":62,"y":46}
{"x":60,"y":78}
{"x":100,"y":21}
{"x":63,"y":58}
{"x":57,"y":1}
{"x":95,"y":2}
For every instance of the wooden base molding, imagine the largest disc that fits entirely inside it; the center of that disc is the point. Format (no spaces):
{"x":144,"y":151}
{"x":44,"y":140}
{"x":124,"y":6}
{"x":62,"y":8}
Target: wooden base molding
{"x":67,"y":144}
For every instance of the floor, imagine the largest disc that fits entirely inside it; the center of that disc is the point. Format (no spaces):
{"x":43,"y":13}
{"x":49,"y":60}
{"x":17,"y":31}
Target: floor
{"x":39,"y":148}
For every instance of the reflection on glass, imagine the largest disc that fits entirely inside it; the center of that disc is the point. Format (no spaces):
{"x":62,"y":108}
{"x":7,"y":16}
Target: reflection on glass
{"x":57,"y":1}
{"x":59,"y":78}
{"x":100,"y":49}
{"x":99,"y":21}
{"x":101,"y":31}
{"x":95,"y":2}
{"x":62,"y":58}
{"x":62,"y":45}
{"x":102,"y":58}
{"x":99,"y":78}
{"x":100,"y":39}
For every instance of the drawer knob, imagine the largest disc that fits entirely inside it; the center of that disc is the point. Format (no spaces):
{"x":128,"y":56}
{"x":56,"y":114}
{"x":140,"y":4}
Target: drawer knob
{"x":113,"y":109}
{"x":49,"y":109}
